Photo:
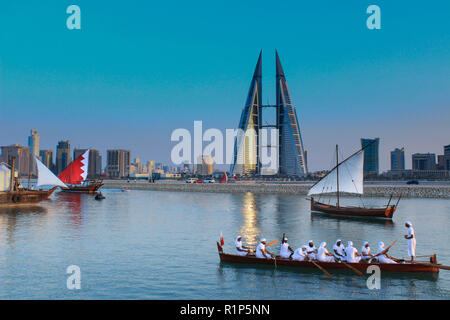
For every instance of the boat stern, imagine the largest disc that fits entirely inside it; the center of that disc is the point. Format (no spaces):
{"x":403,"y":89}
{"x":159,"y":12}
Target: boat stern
{"x":389,"y":212}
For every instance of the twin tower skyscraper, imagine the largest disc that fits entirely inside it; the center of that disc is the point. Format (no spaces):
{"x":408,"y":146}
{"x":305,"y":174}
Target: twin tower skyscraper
{"x":289,"y":145}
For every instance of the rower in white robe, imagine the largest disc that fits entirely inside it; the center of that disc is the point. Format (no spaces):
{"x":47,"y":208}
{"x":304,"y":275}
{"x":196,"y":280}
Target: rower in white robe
{"x":339,"y":250}
{"x":285,"y":250}
{"x":383,"y":258}
{"x":323,"y":254}
{"x":411,"y":237}
{"x":366,"y":254}
{"x":311,"y":250}
{"x":352,"y":255}
{"x":261,"y":251}
{"x":300,"y":254}
{"x":241,"y":249}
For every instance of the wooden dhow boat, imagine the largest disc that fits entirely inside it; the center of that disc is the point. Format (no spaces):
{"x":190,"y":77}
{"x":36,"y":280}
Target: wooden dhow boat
{"x":347,"y":176}
{"x":17,"y":194}
{"x":74,"y":176}
{"x":420,"y":267}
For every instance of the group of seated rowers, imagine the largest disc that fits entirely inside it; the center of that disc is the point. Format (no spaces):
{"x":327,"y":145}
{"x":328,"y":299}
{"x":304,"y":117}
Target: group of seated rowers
{"x":310,"y":252}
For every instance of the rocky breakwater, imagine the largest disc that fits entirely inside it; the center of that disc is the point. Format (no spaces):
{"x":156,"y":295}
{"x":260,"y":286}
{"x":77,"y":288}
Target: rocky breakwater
{"x":281,"y":188}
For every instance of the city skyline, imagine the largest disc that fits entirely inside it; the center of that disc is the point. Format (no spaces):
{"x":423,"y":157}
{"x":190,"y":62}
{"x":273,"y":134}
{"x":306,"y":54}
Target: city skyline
{"x":347,"y":81}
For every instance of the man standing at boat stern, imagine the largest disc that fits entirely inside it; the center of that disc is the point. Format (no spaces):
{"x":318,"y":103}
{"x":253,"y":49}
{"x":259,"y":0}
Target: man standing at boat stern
{"x":411,"y":237}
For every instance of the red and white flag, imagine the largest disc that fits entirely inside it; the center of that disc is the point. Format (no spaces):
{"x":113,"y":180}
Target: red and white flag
{"x":221,"y":239}
{"x":77,"y":171}
{"x":224,"y":178}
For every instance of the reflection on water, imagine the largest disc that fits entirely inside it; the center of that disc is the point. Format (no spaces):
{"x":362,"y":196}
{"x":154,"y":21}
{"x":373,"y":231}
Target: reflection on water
{"x":13,"y":217}
{"x":249,"y":229}
{"x":362,"y":220}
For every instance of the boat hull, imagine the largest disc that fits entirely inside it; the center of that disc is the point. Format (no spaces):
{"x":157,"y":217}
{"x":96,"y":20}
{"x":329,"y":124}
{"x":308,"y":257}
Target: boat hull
{"x":24,"y":196}
{"x":90,"y":188}
{"x":398,"y":267}
{"x":386,"y":213}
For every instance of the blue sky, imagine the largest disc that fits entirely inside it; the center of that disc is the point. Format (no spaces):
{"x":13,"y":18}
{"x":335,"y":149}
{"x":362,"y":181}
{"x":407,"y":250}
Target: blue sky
{"x":139,"y":69}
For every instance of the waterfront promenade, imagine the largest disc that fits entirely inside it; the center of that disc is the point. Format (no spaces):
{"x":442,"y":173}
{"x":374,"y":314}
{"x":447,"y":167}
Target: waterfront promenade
{"x":370,"y":190}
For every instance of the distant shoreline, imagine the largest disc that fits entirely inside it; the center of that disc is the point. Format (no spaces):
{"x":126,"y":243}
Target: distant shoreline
{"x":370,"y":190}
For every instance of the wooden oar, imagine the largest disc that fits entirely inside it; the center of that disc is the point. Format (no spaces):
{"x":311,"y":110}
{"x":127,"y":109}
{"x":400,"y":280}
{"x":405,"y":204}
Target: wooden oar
{"x":271,"y":243}
{"x":353,"y":268}
{"x":323,"y":270}
{"x":386,"y":250}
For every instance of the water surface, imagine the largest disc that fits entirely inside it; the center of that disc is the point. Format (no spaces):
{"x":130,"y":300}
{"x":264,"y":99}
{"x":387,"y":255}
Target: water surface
{"x":161,"y":245}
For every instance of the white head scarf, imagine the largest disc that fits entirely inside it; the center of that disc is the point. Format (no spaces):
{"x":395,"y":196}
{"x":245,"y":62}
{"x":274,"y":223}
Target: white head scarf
{"x":409,"y":223}
{"x":338,"y":240}
{"x":262,"y":240}
{"x":381,"y":245}
{"x":304,"y":248}
{"x":350,"y":243}
{"x":364,"y":244}
{"x":236,"y":242}
{"x":310,"y":241}
{"x":323,"y":244}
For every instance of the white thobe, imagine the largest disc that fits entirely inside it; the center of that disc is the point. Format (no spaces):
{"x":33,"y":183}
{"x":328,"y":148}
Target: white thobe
{"x":351,"y":255}
{"x":239,"y":246}
{"x":310,"y":252}
{"x":340,"y":249}
{"x":322,"y":255}
{"x":365,"y":253}
{"x":299,"y":255}
{"x":259,"y":250}
{"x":383,"y":259}
{"x":411,"y":242}
{"x":284,"y":250}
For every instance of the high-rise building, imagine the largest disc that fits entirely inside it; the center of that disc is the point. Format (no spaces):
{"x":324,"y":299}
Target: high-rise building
{"x":398,"y":159}
{"x":34,"y":143}
{"x":62,"y":156}
{"x":95,"y":162}
{"x":291,"y":151}
{"x":151,"y":166}
{"x":447,"y":157}
{"x":47,"y":159}
{"x":118,"y":163}
{"x":440,"y":162}
{"x":205,"y":165}
{"x":22,"y":155}
{"x":248,"y":143}
{"x":424,"y":161}
{"x":371,"y":158}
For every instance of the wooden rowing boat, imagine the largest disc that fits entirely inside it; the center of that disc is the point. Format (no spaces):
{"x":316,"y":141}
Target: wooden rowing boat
{"x":399,"y":267}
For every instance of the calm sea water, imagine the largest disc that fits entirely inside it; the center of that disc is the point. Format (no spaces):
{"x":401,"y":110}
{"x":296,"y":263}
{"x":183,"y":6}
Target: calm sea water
{"x":161,"y":245}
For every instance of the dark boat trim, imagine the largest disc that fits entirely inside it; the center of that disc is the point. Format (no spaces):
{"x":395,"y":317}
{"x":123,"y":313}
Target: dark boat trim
{"x":90,"y":187}
{"x":386,"y":212}
{"x":24,"y":196}
{"x":398,"y":267}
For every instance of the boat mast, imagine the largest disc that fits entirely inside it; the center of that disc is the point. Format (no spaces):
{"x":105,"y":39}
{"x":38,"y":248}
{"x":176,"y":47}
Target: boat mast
{"x":12,"y":187}
{"x":337,"y":175}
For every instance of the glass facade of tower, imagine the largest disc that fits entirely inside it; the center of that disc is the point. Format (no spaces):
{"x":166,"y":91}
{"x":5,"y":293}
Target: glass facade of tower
{"x":291,"y":152}
{"x":291,"y":155}
{"x":371,"y":158}
{"x":246,"y":150}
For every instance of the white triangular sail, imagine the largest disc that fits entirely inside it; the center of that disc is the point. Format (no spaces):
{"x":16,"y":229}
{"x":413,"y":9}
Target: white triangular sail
{"x":46,"y":177}
{"x":351,"y":177}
